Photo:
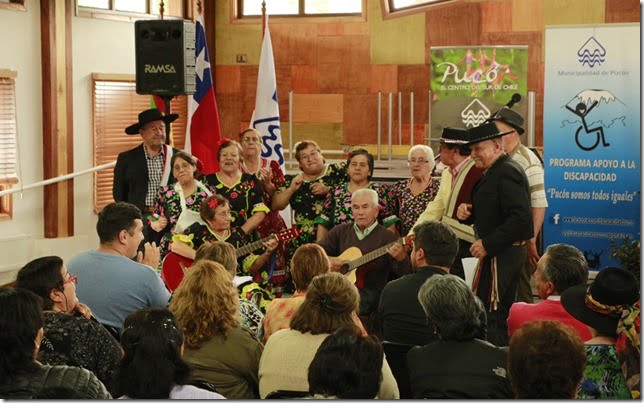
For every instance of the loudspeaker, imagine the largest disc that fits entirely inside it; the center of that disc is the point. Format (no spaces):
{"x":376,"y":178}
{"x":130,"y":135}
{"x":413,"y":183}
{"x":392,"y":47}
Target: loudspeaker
{"x":165,"y":57}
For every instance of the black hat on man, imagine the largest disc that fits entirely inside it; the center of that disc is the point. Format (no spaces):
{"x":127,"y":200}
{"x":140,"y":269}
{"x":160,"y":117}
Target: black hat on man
{"x":486,"y":131}
{"x":454,"y":135}
{"x":599,"y":305}
{"x":148,"y":116}
{"x":510,"y":117}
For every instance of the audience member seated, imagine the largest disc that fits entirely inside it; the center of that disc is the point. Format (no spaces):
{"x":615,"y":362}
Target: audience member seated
{"x":561,"y":267}
{"x":546,"y":360}
{"x":110,"y":282}
{"x":308,"y":261}
{"x":224,"y":254}
{"x":218,"y":348}
{"x":72,"y":336}
{"x":459,"y":365}
{"x":368,"y":235}
{"x":177,"y":205}
{"x":402,"y":318}
{"x":411,"y":196}
{"x":21,"y":333}
{"x":606,"y":307}
{"x":152,"y":366}
{"x":346,"y":366}
{"x":329,"y":303}
{"x":337,"y":206}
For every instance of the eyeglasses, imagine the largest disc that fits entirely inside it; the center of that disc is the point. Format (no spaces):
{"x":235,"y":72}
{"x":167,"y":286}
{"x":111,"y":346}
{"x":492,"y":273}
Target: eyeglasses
{"x":252,"y":140}
{"x":71,"y":279}
{"x":312,"y":154}
{"x":420,"y":161}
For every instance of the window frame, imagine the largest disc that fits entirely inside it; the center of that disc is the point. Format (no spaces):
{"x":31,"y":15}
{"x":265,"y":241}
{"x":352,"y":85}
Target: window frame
{"x":98,"y":158}
{"x":18,"y":5}
{"x":235,"y":18}
{"x":6,"y":201}
{"x":111,"y":14}
{"x":388,"y":11}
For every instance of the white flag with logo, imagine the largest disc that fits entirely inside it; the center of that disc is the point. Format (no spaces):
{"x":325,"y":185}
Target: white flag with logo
{"x":266,"y":116}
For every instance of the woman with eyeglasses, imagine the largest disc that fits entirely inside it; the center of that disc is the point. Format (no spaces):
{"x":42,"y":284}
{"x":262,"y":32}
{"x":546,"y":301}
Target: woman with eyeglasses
{"x":72,"y":336}
{"x":412,"y":195}
{"x":271,"y":177}
{"x":337,"y":205}
{"x":152,"y":366}
{"x":177,"y":205}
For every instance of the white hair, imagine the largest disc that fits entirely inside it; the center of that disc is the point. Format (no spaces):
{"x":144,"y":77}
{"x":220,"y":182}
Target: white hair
{"x":429,"y":153}
{"x":366,"y":192}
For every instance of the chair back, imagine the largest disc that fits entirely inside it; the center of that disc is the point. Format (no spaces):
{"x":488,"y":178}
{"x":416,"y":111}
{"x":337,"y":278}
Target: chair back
{"x":396,"y":354}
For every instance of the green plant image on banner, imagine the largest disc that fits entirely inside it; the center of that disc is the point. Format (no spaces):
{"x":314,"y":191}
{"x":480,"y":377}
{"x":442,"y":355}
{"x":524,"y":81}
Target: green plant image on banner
{"x":469,"y":84}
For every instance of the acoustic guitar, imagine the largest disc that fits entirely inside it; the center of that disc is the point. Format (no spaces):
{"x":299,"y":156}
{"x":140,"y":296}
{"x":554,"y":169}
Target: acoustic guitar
{"x":174,"y":266}
{"x":355,"y":259}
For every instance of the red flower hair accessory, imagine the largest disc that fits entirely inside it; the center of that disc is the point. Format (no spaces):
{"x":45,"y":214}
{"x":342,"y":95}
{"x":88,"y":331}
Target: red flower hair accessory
{"x":213,"y":203}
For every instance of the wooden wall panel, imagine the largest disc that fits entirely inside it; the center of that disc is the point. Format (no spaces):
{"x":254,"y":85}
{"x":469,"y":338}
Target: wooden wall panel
{"x":283,"y":78}
{"x":496,"y":16}
{"x":304,"y":79}
{"x":459,"y":25}
{"x":248,"y":87}
{"x":534,"y":42}
{"x":360,"y":125}
{"x":329,"y":136}
{"x":230,"y":114}
{"x":227,"y":79}
{"x":330,"y":29}
{"x":344,"y":78}
{"x":294,"y":43}
{"x":561,"y":12}
{"x":384,"y":77}
{"x":346,"y":49}
{"x":396,"y":40}
{"x":323,"y":108}
{"x":622,"y":11}
{"x":527,"y":15}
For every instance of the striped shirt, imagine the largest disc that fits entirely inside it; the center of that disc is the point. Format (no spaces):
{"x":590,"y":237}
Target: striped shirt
{"x":530,"y":163}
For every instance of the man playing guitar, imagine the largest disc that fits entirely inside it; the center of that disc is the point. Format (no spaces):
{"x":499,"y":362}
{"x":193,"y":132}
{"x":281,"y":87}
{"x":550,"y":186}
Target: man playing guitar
{"x":366,"y":234}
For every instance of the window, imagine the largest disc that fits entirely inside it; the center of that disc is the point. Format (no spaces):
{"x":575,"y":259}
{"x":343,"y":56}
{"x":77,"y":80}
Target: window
{"x":301,"y":8}
{"x":116,"y":106}
{"x":13,"y":4}
{"x":8,"y":146}
{"x":396,"y":8}
{"x":130,"y":9}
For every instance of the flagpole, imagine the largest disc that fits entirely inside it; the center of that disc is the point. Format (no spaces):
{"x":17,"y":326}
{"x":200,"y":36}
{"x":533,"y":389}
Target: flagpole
{"x":263,"y":18}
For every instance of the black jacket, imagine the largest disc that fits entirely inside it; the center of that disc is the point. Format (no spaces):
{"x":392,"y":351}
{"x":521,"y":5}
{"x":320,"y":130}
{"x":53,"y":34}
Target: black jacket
{"x":473,"y":369}
{"x":26,"y":386}
{"x":131,"y":177}
{"x":501,"y":206}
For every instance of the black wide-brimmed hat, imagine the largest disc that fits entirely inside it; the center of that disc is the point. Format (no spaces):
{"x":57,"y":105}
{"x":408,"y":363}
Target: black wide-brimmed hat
{"x":454,"y":135}
{"x":510,"y":117}
{"x":486,"y":131}
{"x":148,"y":116}
{"x":600,"y":304}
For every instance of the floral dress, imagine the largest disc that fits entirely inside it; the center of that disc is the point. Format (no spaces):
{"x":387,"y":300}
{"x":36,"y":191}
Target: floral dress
{"x":245,"y":198}
{"x":603,"y":378}
{"x":273,"y":223}
{"x":259,"y":290}
{"x":307,"y":206}
{"x":168,"y":204}
{"x":409,"y":207}
{"x":337,"y":206}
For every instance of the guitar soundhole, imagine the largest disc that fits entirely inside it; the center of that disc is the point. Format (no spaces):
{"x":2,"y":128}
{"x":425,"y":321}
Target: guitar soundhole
{"x":344,"y":269}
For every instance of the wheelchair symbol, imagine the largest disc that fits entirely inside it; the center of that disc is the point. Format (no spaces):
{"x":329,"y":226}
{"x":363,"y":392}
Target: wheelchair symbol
{"x":585,"y":140}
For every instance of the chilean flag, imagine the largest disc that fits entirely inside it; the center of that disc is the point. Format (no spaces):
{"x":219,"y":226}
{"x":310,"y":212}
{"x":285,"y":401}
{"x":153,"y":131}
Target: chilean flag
{"x":203,"y":132}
